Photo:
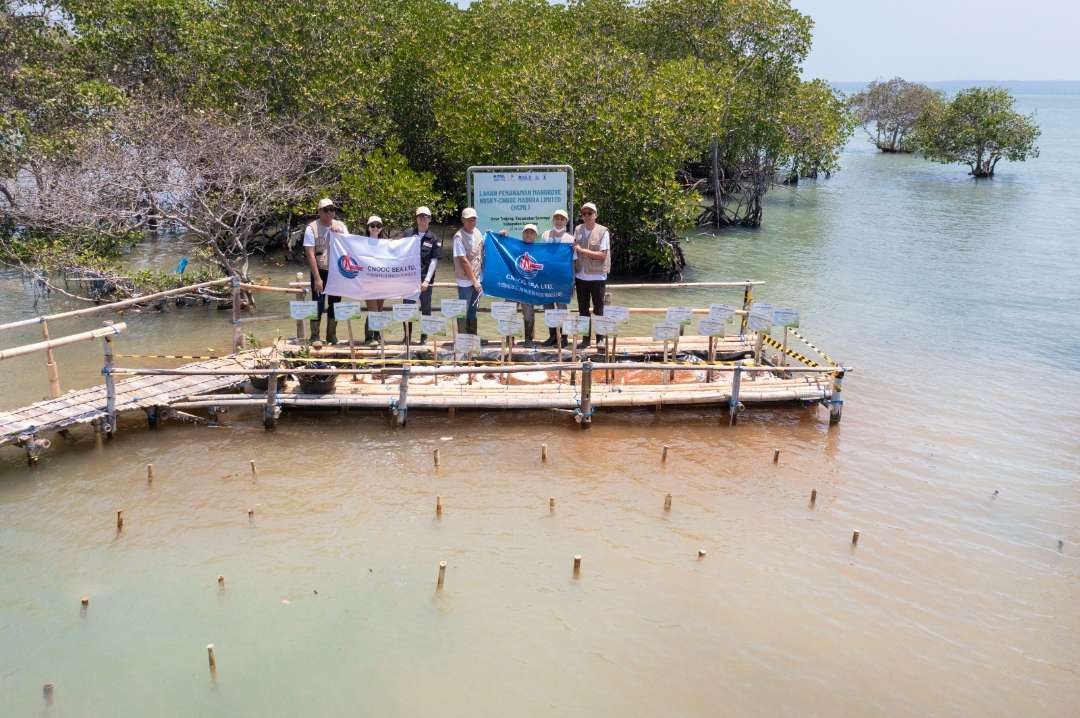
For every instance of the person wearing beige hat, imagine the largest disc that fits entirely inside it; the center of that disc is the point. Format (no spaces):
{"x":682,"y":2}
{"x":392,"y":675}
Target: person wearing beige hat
{"x":557,"y":234}
{"x":592,"y":262}
{"x":317,"y":252}
{"x":528,"y":311}
{"x":468,"y":261}
{"x":430,"y":254}
{"x":374,"y":231}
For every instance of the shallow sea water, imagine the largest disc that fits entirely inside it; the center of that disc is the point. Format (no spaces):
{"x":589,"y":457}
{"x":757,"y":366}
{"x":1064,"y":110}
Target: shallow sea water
{"x":954,"y":301}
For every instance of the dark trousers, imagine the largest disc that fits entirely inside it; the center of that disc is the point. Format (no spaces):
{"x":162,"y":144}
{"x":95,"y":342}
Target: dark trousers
{"x":325,"y":301}
{"x":425,"y":302}
{"x":590,"y":291}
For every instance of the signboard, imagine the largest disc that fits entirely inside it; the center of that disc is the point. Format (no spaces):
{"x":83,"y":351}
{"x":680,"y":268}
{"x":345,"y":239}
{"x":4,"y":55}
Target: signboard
{"x":405,"y":312}
{"x":665,"y":331}
{"x":785,"y":317}
{"x":433,"y":326}
{"x":503,"y":310}
{"x":378,"y":321}
{"x":346,"y":310}
{"x":760,"y":322}
{"x":605,"y":325}
{"x":466,"y":344}
{"x":304,"y":310}
{"x":576,"y":325}
{"x":721,"y":312}
{"x":711,"y":328}
{"x":511,"y":197}
{"x":554,"y":318}
{"x":510,"y":327}
{"x":680,"y":315}
{"x":453,"y":308}
{"x":619,"y":314}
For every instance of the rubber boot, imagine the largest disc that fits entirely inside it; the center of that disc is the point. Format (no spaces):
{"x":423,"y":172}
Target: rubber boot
{"x":530,"y":332}
{"x":331,"y":331}
{"x":313,"y":329}
{"x":552,"y":340}
{"x":367,"y":333}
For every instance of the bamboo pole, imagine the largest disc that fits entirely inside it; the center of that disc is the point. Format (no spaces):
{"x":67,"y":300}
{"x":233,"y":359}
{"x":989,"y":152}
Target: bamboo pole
{"x":776,"y":456}
{"x":119,"y":520}
{"x":47,"y":693}
{"x":667,"y":502}
{"x":733,"y":401}
{"x":403,"y":397}
{"x":747,"y":300}
{"x":586,"y":394}
{"x":551,"y":504}
{"x":210,"y":656}
{"x":442,"y":576}
{"x":270,"y":406}
{"x":543,"y":453}
{"x":149,"y":473}
{"x":50,"y":363}
{"x":701,"y":553}
{"x":436,"y":457}
{"x":836,"y":402}
{"x":266,"y":288}
{"x":107,"y":330}
{"x":813,"y":497}
{"x":112,"y":306}
{"x":663,"y":453}
{"x":855,"y":537}
{"x":254,"y":472}
{"x":438,"y":506}
{"x":110,"y":384}
{"x":577,"y":566}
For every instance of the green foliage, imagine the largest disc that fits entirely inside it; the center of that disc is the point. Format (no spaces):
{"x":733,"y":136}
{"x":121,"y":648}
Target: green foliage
{"x":381,"y":182}
{"x":979,"y":128}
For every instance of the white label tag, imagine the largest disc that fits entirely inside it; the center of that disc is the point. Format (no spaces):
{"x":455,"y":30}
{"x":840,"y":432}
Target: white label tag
{"x":405,"y":312}
{"x":453,"y":308}
{"x":303,"y":310}
{"x":721,"y":312}
{"x":605,"y":325}
{"x":786,"y":317}
{"x":619,"y":314}
{"x":433,"y":326}
{"x":503,"y":310}
{"x":679,"y":315}
{"x":511,"y":327}
{"x":665,"y":331}
{"x":554,"y":318}
{"x":760,"y":322}
{"x":466,"y":344}
{"x":377,"y":321}
{"x":346,"y":310}
{"x":711,"y":328}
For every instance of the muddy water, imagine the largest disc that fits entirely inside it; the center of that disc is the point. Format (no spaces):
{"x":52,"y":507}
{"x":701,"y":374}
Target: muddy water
{"x":953,"y":300}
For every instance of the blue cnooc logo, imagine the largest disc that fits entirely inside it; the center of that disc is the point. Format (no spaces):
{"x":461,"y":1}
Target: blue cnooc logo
{"x":528,"y":266}
{"x":349,"y":267}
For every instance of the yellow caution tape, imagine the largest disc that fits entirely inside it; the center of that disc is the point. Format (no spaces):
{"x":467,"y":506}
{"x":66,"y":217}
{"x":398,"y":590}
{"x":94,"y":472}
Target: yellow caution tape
{"x":790,"y":352}
{"x":166,"y":356}
{"x":813,"y":346}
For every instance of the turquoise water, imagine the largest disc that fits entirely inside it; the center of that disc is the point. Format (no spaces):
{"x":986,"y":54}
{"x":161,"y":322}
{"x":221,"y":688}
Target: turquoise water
{"x":954,"y":300}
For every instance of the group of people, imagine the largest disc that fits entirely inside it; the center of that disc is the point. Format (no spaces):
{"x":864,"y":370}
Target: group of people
{"x":592,"y":261}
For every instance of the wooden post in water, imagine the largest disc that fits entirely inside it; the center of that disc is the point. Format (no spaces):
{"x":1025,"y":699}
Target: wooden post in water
{"x":712,"y":359}
{"x":836,"y":403}
{"x":577,"y":566}
{"x":733,"y":401}
{"x":110,"y":387}
{"x":438,"y":505}
{"x":667,"y":502}
{"x":47,"y":693}
{"x":782,"y":359}
{"x":700,"y":553}
{"x":551,"y":504}
{"x":776,"y":456}
{"x":813,"y":497}
{"x":855,"y":538}
{"x":238,"y":334}
{"x":663,"y":453}
{"x":120,"y":520}
{"x":543,"y":453}
{"x":210,"y":657}
{"x":586,"y":394}
{"x":436,"y":456}
{"x":50,"y":364}
{"x":747,"y":300}
{"x":403,"y":396}
{"x":442,"y":576}
{"x":149,"y":473}
{"x":300,"y":322}
{"x":254,"y":472}
{"x":759,"y":346}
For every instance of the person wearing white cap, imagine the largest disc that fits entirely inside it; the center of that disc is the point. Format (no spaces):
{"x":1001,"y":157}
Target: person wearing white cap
{"x":528,"y":235}
{"x":592,"y":260}
{"x":317,"y":252}
{"x":557,"y":234}
{"x":374,"y":231}
{"x":468,"y":260}
{"x":430,"y":254}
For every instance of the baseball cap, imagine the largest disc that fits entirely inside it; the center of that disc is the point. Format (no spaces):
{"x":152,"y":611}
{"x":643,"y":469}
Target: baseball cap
{"x":527,"y":227}
{"x":468,"y":213}
{"x":327,"y":203}
{"x":374,"y":218}
{"x":560,"y":213}
{"x":589,"y":205}
{"x":423,"y":210}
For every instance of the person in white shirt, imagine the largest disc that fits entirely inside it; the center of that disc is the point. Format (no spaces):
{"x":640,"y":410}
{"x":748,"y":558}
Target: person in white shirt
{"x":468,"y":261}
{"x":592,"y":262}
{"x":374,"y":231}
{"x":558,"y":234}
{"x":317,"y":252}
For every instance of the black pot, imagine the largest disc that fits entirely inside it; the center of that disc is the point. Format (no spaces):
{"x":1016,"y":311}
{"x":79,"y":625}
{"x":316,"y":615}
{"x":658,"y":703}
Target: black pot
{"x":317,"y":383}
{"x":262,"y":383}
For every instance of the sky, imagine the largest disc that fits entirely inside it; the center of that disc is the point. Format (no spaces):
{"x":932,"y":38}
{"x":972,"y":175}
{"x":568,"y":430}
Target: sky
{"x":928,"y":40}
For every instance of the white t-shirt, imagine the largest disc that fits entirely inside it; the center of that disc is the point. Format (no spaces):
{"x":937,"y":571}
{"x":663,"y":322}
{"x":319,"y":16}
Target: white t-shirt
{"x":309,"y":237}
{"x":459,"y":251}
{"x":322,"y":260}
{"x":567,"y":237}
{"x":605,"y":246}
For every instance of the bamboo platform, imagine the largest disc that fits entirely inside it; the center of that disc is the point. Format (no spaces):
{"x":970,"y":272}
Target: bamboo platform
{"x":83,"y":406}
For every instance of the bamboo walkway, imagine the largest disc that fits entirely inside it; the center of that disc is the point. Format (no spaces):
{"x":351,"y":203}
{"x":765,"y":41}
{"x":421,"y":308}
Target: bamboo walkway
{"x":83,"y":406}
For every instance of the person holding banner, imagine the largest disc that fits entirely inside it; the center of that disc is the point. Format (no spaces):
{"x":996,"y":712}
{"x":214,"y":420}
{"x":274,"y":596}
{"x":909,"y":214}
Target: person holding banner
{"x":468,"y":261}
{"x":430,"y":254}
{"x":373,"y":338}
{"x":528,"y":311}
{"x":316,"y":250}
{"x":557,"y":234}
{"x":592,"y":262}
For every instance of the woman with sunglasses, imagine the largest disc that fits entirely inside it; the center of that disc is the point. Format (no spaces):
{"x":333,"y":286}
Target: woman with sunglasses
{"x":374,"y":231}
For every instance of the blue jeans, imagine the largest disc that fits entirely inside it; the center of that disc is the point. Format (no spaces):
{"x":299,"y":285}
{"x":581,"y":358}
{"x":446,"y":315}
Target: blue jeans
{"x":471,"y":297}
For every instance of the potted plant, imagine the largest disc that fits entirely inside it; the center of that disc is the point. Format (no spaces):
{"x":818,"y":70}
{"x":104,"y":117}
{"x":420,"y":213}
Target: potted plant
{"x":314,"y":383}
{"x":266,"y":360}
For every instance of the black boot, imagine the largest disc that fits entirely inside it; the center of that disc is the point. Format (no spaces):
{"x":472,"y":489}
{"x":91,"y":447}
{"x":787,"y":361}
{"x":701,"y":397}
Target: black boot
{"x":552,"y":340}
{"x":530,"y":332}
{"x":583,"y":343}
{"x":331,"y":331}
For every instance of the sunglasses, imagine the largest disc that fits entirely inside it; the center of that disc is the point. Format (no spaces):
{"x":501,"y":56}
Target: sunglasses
{"x":375,"y":225}
{"x":587,"y":213}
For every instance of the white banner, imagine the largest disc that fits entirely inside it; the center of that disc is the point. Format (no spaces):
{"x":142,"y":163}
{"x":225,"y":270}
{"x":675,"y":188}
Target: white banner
{"x":366,"y":268}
